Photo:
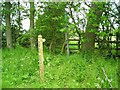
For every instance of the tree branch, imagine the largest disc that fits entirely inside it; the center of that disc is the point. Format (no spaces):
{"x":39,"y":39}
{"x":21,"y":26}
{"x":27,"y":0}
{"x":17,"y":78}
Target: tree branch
{"x":71,"y":14}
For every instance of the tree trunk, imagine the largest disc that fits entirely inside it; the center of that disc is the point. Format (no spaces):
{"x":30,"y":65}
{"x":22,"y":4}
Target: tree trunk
{"x":93,"y":22}
{"x":53,"y":43}
{"x":63,"y":46}
{"x":0,"y":28}
{"x":32,"y":40}
{"x":8,"y":25}
{"x":19,"y":20}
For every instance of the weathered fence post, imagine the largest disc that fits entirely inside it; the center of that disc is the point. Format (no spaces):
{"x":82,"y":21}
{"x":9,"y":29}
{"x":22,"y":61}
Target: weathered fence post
{"x":41,"y":57}
{"x":67,"y":42}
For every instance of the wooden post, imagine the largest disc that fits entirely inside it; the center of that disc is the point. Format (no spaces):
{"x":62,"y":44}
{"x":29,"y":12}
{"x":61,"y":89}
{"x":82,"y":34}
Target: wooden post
{"x":117,"y":44}
{"x":41,"y":57}
{"x":67,"y":42}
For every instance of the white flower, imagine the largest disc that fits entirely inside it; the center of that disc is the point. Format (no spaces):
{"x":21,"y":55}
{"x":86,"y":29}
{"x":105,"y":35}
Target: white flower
{"x":48,"y":64}
{"x":97,"y":85}
{"x":98,"y":78}
{"x":110,"y":80}
{"x":102,"y":81}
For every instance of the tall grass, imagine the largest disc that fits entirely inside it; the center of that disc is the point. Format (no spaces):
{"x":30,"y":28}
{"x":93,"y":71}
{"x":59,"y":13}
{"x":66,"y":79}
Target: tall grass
{"x":0,"y":68}
{"x":21,"y":69}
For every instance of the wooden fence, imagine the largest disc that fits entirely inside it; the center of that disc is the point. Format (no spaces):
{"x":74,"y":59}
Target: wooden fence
{"x":74,"y":50}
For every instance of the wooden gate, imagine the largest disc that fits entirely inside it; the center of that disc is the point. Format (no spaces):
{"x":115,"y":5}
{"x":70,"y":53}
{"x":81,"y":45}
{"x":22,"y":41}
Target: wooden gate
{"x":75,"y":46}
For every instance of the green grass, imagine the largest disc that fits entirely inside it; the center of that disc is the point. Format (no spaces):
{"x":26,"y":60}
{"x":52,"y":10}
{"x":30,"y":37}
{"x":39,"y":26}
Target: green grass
{"x":0,"y":68}
{"x":21,"y":70}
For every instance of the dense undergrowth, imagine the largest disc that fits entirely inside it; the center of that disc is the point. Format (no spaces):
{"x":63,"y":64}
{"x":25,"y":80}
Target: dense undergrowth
{"x":21,"y":70}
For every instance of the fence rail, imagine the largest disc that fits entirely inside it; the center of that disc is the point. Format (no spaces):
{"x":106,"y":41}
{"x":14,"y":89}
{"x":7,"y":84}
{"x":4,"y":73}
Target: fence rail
{"x":73,"y":39}
{"x":109,"y":41}
{"x":117,"y":42}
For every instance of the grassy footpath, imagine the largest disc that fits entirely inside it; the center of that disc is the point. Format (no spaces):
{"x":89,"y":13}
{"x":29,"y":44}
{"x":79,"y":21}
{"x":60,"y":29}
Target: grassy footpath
{"x":21,"y":69}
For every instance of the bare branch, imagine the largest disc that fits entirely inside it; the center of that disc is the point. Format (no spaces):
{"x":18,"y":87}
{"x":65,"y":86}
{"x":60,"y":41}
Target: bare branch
{"x":87,"y":4}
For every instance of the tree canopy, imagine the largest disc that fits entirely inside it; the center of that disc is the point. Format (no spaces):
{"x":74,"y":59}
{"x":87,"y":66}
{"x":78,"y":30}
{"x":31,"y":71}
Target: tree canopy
{"x":89,"y":21}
